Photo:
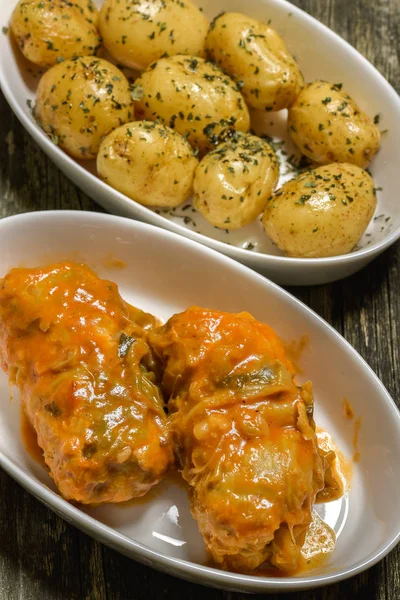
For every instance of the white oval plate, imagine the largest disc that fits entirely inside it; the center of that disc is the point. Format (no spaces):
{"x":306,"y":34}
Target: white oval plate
{"x":322,"y":55}
{"x":166,"y":273}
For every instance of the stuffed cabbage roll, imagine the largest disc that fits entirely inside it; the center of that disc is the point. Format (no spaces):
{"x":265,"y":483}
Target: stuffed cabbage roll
{"x":79,"y":356}
{"x":244,"y":436}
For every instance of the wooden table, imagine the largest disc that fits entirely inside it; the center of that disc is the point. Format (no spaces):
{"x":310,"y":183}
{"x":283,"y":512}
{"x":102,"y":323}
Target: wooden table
{"x":43,"y":558}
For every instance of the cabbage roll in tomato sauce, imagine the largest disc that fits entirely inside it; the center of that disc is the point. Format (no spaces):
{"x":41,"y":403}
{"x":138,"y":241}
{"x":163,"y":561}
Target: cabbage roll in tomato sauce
{"x":244,"y":436}
{"x":79,"y":356}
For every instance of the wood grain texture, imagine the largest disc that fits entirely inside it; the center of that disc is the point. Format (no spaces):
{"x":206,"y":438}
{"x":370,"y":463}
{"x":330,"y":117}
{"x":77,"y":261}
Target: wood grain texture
{"x":44,"y":558}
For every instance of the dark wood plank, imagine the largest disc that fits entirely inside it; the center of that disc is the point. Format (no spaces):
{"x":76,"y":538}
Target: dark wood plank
{"x":42,"y":557}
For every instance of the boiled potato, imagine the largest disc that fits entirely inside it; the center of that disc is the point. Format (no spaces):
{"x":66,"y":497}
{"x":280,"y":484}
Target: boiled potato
{"x":193,"y":97}
{"x":138,"y":33}
{"x":79,"y":101}
{"x":327,"y":126}
{"x":89,"y":9}
{"x":148,"y":162}
{"x":50,"y":31}
{"x":234,"y":181}
{"x":254,"y":54}
{"x":323,"y":212}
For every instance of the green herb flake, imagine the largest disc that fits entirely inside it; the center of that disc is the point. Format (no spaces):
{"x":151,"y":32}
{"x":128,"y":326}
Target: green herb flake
{"x":125,"y":342}
{"x":89,"y":450}
{"x":303,"y":199}
{"x":53,"y":409}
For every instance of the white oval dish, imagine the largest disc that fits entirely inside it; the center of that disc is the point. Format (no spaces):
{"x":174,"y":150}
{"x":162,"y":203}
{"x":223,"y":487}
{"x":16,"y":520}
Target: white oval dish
{"x":166,"y":273}
{"x":321,"y":54}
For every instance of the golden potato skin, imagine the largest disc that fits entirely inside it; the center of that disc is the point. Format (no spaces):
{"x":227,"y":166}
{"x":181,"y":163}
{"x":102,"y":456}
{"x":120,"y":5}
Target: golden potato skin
{"x":148,"y":162}
{"x":192,"y":96}
{"x":323,"y":212}
{"x":79,"y":101}
{"x":254,"y":54}
{"x":50,"y":31}
{"x":327,"y":126}
{"x":233,"y":182}
{"x":138,"y":32}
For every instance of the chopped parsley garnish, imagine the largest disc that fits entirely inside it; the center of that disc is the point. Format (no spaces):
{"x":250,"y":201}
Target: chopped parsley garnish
{"x":125,"y":342}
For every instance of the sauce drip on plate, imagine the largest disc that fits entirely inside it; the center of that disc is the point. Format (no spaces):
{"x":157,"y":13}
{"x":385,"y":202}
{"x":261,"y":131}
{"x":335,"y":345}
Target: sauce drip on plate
{"x":29,"y":439}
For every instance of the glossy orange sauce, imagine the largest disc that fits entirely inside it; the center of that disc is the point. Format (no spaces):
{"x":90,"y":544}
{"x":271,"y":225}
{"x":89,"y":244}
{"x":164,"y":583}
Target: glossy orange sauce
{"x":348,"y":409}
{"x":357,"y":426}
{"x":29,"y":439}
{"x":110,"y":262}
{"x":294,"y":351}
{"x":349,"y":414}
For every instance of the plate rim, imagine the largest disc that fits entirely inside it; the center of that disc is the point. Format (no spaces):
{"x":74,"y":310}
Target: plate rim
{"x":240,"y":254}
{"x":182,"y":568}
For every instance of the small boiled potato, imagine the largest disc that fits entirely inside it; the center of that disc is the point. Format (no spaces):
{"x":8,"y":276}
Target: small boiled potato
{"x":234,"y":181}
{"x":79,"y":101}
{"x":323,"y":212}
{"x":327,"y":126}
{"x":192,"y":96}
{"x":50,"y":31}
{"x":254,"y":54}
{"x":148,"y":162}
{"x":89,"y":8}
{"x":138,"y":33}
